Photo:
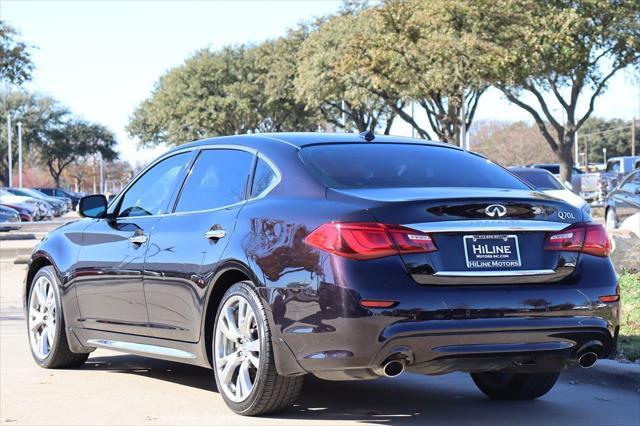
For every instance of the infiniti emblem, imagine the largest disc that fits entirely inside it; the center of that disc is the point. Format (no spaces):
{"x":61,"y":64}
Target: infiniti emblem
{"x":494,"y":210}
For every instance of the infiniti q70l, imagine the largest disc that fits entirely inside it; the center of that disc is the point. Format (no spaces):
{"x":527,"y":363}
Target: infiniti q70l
{"x":350,"y":257}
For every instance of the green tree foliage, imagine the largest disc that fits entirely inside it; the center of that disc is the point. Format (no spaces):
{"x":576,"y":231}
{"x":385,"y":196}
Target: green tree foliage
{"x":38,"y":115}
{"x":341,"y":94}
{"x":437,"y":54}
{"x":562,"y":55}
{"x":15,"y":60}
{"x":614,"y":135}
{"x":73,"y":140}
{"x":232,"y":91}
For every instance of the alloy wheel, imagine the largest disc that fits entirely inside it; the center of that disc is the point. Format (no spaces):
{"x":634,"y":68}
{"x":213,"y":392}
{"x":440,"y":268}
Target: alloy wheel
{"x":42,"y":317}
{"x":237,"y":348}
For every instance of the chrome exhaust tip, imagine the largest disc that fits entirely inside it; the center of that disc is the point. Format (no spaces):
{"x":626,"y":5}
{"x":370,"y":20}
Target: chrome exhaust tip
{"x":587,"y":359}
{"x":392,"y":368}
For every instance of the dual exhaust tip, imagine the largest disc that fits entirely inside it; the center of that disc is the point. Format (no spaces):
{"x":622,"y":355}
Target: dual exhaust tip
{"x":395,"y":367}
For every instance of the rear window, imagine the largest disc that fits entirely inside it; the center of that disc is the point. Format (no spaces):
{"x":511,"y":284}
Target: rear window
{"x":540,"y":180}
{"x":349,"y":166}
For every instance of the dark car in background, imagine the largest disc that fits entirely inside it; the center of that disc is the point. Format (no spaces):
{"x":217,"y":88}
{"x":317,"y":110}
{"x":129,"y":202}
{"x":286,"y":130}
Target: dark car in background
{"x":58,"y":206}
{"x":271,"y":256}
{"x":36,"y":209}
{"x":9,"y":219}
{"x":623,"y":201}
{"x":554,"y":169}
{"x":62,"y":193}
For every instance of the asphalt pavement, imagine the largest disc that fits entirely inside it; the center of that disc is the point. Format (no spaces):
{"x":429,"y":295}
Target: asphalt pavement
{"x":112,"y":389}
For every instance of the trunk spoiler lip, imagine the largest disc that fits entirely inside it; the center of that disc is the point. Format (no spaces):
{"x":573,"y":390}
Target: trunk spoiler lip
{"x":479,"y":225}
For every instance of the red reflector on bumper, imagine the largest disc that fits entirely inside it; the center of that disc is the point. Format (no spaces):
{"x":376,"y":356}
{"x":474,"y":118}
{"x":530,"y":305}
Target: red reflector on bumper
{"x":377,"y":303}
{"x":609,"y":299}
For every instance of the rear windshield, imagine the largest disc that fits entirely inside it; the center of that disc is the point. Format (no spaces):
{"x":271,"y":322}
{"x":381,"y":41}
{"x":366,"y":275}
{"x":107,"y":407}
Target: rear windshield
{"x":347,"y":166}
{"x":540,"y":180}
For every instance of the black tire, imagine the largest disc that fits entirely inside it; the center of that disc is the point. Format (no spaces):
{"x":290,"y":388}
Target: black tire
{"x":271,"y":392}
{"x":60,"y":355}
{"x":515,"y":386}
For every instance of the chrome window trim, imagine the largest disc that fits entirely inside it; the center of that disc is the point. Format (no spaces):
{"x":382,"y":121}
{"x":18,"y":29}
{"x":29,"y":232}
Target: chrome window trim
{"x":516,"y":273}
{"x":250,"y":150}
{"x":488,"y":226}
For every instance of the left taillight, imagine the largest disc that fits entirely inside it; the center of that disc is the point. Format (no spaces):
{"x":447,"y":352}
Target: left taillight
{"x":369,"y":240}
{"x":590,"y":238}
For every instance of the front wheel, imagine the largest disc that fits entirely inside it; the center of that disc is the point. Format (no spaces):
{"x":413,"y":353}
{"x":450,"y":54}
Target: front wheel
{"x":515,"y":386}
{"x":45,"y":324}
{"x":243,"y":361}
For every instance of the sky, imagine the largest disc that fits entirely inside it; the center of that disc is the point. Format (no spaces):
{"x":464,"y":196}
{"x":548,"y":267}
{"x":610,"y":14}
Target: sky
{"x":102,"y":58}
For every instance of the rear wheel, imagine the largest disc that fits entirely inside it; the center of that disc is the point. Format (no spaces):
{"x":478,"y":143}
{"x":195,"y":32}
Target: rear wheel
{"x":45,"y":324}
{"x":243,"y":361}
{"x":515,"y":386}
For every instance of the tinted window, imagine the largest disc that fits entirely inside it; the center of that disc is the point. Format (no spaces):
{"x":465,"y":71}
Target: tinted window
{"x":150,"y":194}
{"x":263,"y":177}
{"x":218,"y":178}
{"x":542,"y":181}
{"x":403,"y":166}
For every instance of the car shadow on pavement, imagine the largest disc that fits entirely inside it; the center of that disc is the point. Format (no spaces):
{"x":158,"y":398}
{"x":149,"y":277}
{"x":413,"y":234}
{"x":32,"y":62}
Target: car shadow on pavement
{"x":408,"y":399}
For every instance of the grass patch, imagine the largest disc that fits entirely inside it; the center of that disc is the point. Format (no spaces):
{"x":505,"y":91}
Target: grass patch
{"x":629,"y":339}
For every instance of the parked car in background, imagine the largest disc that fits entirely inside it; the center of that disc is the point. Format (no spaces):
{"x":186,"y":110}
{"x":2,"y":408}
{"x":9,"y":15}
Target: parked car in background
{"x":623,"y":201}
{"x":38,"y":209}
{"x":58,"y":192}
{"x":9,"y":219}
{"x":596,"y":185}
{"x":543,"y":181}
{"x":554,"y":169}
{"x":58,"y":206}
{"x":268,"y":257}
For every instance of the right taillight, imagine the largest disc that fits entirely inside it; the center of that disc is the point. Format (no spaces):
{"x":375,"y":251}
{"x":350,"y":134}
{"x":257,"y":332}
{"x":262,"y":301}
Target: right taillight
{"x":590,"y":238}
{"x":368,"y":240}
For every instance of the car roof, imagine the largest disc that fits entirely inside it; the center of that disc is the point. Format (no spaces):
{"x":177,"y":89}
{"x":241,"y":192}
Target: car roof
{"x":299,"y":140}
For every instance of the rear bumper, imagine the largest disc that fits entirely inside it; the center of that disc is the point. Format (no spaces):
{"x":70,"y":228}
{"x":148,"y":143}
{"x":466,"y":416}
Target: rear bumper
{"x":440,"y":329}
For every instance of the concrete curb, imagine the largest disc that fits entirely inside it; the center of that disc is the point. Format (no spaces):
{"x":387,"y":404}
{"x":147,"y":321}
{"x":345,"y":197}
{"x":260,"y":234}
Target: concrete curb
{"x":617,"y":368}
{"x":17,"y":236}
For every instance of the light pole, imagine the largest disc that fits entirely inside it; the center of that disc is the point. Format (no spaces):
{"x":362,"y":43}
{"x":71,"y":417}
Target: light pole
{"x":10,"y":157}
{"x":19,"y":154}
{"x":604,"y":154}
{"x":101,"y":176}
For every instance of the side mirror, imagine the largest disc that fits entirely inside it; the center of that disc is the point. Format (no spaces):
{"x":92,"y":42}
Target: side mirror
{"x":568,"y":185}
{"x":637,"y":191}
{"x":94,"y":206}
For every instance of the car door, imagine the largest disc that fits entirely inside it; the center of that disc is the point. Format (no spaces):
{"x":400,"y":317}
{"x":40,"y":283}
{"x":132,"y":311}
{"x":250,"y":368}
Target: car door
{"x":110,"y":265}
{"x":186,"y":245}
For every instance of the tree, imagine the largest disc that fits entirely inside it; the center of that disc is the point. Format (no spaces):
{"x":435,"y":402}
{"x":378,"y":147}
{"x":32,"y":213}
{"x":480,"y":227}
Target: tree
{"x":614,"y":135}
{"x":561,"y":54}
{"x":74,"y":140}
{"x":437,"y":54}
{"x":232,"y":91}
{"x":15,"y":59}
{"x":341,"y":95}
{"x":38,"y":115}
{"x":510,"y":143}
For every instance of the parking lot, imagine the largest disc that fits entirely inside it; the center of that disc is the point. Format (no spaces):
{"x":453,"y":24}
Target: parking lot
{"x":123,"y":389}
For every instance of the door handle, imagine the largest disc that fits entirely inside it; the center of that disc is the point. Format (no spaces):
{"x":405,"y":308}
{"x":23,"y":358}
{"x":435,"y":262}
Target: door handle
{"x":138,"y":239}
{"x":215,"y":234}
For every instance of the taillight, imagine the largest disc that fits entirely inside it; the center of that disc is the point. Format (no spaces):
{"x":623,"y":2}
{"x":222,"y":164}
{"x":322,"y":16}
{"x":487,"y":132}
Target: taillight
{"x":361,"y":241}
{"x":588,"y":238}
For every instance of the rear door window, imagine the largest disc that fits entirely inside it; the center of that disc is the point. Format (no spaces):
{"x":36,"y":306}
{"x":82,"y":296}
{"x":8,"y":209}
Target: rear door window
{"x":218,"y":178}
{"x":350,"y":166}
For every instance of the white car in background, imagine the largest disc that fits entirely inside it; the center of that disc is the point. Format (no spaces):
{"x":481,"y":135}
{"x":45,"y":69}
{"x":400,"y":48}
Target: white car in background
{"x":543,"y":181}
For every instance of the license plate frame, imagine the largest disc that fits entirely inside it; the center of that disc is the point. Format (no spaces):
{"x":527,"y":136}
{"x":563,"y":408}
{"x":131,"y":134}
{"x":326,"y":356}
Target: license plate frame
{"x":492,"y":254}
